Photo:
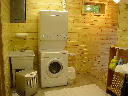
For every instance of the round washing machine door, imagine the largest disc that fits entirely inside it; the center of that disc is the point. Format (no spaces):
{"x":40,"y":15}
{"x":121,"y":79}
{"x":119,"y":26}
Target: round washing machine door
{"x":55,"y":68}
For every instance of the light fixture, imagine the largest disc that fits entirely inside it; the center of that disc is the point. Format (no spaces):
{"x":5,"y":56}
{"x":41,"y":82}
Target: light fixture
{"x":116,"y":1}
{"x":88,"y":8}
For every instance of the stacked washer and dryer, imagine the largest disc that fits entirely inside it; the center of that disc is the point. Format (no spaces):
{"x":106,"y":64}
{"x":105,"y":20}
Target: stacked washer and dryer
{"x":53,"y":30}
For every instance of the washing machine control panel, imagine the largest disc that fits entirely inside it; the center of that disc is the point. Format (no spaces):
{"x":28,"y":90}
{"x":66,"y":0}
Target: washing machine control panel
{"x":54,"y":37}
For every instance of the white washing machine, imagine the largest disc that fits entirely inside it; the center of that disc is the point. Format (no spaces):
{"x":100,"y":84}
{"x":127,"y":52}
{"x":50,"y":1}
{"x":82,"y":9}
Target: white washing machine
{"x":54,"y":68}
{"x":53,"y":30}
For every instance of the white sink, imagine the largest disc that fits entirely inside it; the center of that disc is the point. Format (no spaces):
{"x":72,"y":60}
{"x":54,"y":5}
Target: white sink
{"x":22,"y":53}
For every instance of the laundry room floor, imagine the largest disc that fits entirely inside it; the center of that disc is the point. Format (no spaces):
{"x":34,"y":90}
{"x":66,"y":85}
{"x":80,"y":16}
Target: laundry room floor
{"x":81,"y":80}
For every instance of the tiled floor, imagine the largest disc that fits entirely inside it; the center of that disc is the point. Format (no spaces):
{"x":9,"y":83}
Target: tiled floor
{"x":81,"y":79}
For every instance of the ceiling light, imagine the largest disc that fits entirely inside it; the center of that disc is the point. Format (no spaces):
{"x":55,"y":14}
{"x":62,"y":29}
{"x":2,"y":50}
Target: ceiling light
{"x":88,"y":8}
{"x":116,"y":1}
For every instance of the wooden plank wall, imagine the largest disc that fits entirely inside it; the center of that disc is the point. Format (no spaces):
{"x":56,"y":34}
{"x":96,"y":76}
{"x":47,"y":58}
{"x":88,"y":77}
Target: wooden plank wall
{"x":123,"y":24}
{"x":2,"y":77}
{"x":6,"y":34}
{"x":90,"y":37}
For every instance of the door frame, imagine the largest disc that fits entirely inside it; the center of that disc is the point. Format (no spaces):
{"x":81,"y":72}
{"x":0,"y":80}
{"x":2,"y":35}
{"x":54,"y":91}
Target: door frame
{"x":2,"y":77}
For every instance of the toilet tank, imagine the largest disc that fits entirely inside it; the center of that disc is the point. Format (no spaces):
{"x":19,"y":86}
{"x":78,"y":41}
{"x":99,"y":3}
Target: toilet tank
{"x":22,"y":59}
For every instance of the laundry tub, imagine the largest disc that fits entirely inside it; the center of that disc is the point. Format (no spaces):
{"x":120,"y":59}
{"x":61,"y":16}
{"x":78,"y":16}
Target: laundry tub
{"x":21,"y":60}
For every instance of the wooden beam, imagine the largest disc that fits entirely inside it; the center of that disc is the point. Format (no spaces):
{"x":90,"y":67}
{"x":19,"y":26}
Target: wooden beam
{"x":2,"y":77}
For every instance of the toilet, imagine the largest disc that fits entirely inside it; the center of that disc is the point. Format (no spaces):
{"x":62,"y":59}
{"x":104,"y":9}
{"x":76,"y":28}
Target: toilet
{"x":21,"y":60}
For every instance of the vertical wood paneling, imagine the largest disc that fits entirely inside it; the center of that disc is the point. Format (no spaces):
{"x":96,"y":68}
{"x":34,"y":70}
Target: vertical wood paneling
{"x":123,"y":24}
{"x":2,"y":77}
{"x":6,"y":34}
